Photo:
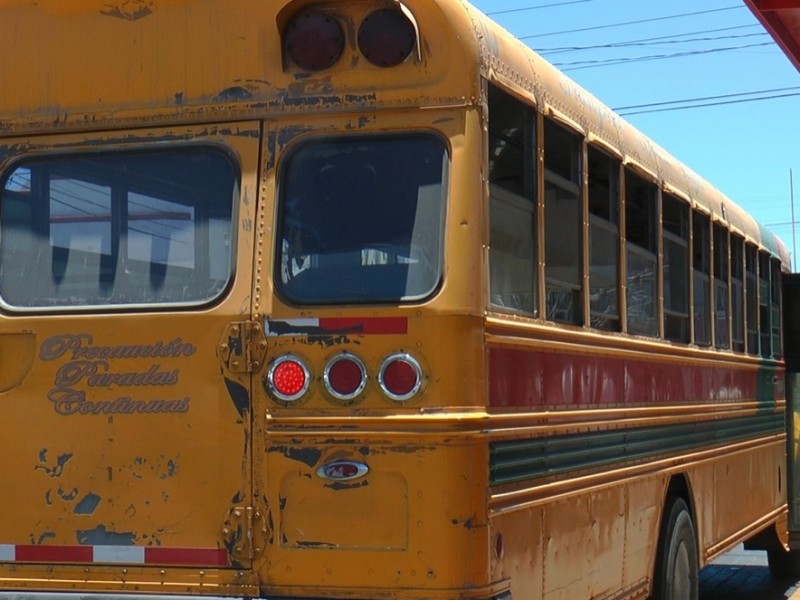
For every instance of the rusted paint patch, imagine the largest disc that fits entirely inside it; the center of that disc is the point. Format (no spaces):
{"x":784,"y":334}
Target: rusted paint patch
{"x":87,"y":505}
{"x":239,"y":394}
{"x":54,"y":471}
{"x":307,"y":456}
{"x":129,"y":10}
{"x":100,"y":537}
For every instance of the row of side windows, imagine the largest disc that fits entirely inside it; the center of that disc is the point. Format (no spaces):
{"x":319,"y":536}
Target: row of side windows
{"x":620,"y":255}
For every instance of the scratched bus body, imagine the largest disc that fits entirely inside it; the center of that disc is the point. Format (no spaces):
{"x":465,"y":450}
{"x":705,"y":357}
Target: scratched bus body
{"x":291,"y":307}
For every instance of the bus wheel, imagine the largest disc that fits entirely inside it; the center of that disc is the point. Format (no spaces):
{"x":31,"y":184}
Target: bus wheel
{"x":675,"y":576}
{"x":784,"y":563}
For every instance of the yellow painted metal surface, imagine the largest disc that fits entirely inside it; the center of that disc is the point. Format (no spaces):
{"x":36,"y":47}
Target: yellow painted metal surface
{"x":214,"y":464}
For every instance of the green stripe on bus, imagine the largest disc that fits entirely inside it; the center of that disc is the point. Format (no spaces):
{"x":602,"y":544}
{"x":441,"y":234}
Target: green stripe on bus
{"x":522,"y":460}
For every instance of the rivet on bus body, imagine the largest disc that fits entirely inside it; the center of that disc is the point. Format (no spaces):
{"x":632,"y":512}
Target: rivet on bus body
{"x":202,"y":573}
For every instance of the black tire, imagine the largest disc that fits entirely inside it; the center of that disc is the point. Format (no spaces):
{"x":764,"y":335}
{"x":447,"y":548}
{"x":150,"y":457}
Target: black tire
{"x":784,"y":564}
{"x":676,"y":570}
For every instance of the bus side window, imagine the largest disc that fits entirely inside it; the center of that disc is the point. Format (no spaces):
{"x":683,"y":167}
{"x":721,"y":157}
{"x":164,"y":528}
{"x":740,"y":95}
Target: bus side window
{"x":603,"y":184}
{"x":765,"y":305}
{"x":512,"y":204}
{"x":562,"y":216}
{"x":721,"y":299}
{"x":701,"y":266}
{"x":751,"y":298}
{"x":777,"y":312}
{"x":675,"y":218}
{"x":640,"y":254}
{"x":737,"y":292}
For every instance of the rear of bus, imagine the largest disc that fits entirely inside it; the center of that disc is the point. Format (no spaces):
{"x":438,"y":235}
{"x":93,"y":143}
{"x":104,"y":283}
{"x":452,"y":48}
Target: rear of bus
{"x":241,"y":300}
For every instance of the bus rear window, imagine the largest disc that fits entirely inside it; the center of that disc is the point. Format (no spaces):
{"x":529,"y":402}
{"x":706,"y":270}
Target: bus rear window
{"x":361,"y":220}
{"x":118,"y":229}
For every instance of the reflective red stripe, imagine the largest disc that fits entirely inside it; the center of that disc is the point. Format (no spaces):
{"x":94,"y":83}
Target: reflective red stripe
{"x":185,"y":556}
{"x":42,"y":553}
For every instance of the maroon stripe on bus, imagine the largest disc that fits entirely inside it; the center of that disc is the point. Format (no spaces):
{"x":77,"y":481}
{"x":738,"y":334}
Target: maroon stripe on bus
{"x":366,"y":325}
{"x":61,"y":554}
{"x":185,"y":556}
{"x":532,"y":379}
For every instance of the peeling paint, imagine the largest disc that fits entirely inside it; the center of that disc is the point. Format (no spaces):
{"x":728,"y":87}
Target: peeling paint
{"x":234,"y":93}
{"x":58,"y":469}
{"x":100,"y":537}
{"x":240,"y":396}
{"x":307,"y":456}
{"x":339,"y":486}
{"x":46,"y":535}
{"x":68,"y":496}
{"x":129,"y":10}
{"x":87,"y":505}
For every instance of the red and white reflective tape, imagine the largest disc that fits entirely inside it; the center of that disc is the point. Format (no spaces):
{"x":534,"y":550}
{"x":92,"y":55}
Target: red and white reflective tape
{"x":131,"y":555}
{"x":338,"y":325}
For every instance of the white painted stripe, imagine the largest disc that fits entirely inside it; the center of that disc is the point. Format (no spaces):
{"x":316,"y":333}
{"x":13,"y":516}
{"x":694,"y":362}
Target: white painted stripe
{"x":8,"y":552}
{"x":119,"y":554}
{"x":299,"y":323}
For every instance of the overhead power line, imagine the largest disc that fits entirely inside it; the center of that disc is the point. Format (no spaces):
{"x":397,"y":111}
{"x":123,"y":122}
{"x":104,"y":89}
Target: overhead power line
{"x":591,"y":64}
{"x":527,"y":8}
{"x":645,"y":43}
{"x":609,"y":26}
{"x":701,"y":102}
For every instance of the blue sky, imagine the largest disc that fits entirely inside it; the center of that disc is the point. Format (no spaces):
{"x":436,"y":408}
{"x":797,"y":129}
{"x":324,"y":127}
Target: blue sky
{"x":744,"y":148}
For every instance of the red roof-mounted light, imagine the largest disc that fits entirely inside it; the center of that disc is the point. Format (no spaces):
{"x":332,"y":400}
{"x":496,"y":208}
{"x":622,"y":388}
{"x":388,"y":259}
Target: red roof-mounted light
{"x":400,"y":376}
{"x":287,"y":379}
{"x":345,"y":376}
{"x":314,"y":40}
{"x":387,"y":36}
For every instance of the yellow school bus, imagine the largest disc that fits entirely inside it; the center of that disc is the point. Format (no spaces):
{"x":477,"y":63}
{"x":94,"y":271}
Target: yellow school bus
{"x":363,"y":299}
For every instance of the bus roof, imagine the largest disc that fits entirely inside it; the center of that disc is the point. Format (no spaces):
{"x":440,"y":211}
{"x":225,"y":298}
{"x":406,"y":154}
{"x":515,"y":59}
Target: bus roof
{"x":90,"y":64}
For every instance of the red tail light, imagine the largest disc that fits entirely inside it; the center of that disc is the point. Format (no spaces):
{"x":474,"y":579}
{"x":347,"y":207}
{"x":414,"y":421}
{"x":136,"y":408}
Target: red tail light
{"x":288,"y":378}
{"x":345,"y":376}
{"x":400,"y":376}
{"x":387,"y":37}
{"x":314,"y":41}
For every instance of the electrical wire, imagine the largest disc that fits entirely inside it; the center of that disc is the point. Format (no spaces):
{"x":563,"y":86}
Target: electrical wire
{"x":527,"y":8}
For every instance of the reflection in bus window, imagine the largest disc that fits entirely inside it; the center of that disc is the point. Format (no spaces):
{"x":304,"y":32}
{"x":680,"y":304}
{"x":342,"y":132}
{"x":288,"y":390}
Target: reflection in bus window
{"x":512,"y":205}
{"x":701,"y":265}
{"x":603,"y":190}
{"x":120,"y":229}
{"x":562,"y":206}
{"x":676,"y":268}
{"x":721,"y":286}
{"x":361,"y":220}
{"x":641,"y":247}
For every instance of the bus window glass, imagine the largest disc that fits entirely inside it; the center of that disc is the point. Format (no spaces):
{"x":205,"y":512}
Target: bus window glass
{"x":360,"y":220}
{"x":640,"y":250}
{"x":512,"y":224}
{"x":737,"y":292}
{"x":117,"y":229}
{"x":562,"y":223}
{"x":751,"y":298}
{"x":764,"y":304}
{"x":676,"y":268}
{"x":603,"y":184}
{"x":775,"y":273}
{"x":701,"y":268}
{"x":721,"y":312}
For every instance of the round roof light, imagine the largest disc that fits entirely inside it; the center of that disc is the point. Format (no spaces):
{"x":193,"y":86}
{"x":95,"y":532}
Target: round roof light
{"x":345,"y":376}
{"x":400,"y":376}
{"x":288,"y":378}
{"x":387,"y":37}
{"x":314,"y":40}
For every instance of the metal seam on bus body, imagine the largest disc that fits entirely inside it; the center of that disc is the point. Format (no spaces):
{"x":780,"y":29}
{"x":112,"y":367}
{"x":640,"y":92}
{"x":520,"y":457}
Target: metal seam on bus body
{"x":528,"y":459}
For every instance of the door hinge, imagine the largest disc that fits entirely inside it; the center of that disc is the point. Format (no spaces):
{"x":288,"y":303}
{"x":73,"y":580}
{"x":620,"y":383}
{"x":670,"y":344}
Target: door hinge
{"x":243,"y":346}
{"x":245,"y":532}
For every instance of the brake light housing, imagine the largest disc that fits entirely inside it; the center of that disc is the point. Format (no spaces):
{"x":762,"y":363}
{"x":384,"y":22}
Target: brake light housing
{"x":314,"y":40}
{"x":400,"y":376}
{"x":345,"y":377}
{"x":387,"y":36}
{"x":287,"y":379}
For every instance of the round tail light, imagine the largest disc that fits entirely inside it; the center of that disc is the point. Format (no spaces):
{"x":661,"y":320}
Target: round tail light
{"x":387,"y":37}
{"x":314,"y":40}
{"x":400,"y":376}
{"x":345,"y":376}
{"x":288,"y":378}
